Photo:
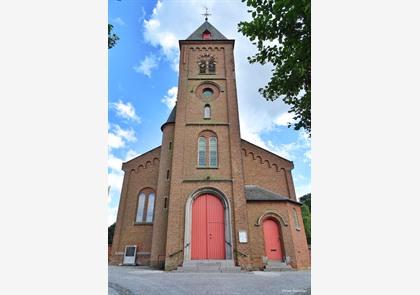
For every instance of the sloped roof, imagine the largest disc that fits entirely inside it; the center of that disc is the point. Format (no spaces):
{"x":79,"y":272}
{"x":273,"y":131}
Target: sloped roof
{"x":198,"y":34}
{"x":171,"y":118}
{"x":256,"y":193}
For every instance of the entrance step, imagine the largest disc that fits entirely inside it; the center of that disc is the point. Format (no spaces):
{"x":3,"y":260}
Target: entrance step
{"x":273,"y":265}
{"x":209,"y":266}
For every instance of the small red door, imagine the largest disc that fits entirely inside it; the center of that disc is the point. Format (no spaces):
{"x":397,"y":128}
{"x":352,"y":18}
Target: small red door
{"x":272,"y":240}
{"x":208,"y":228}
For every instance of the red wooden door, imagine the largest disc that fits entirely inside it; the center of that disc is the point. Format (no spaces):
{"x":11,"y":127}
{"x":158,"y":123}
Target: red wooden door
{"x":272,"y":240}
{"x":208,"y":228}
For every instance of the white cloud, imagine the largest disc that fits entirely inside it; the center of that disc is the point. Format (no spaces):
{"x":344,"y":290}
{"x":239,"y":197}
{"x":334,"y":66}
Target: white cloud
{"x":115,"y":181}
{"x":112,"y":215}
{"x":300,"y":148}
{"x":131,"y":154}
{"x":126,"y":134}
{"x":114,"y":141}
{"x":118,"y":137}
{"x":126,"y":111}
{"x":114,"y":163}
{"x":161,"y":33}
{"x":147,"y":65}
{"x":170,"y":97}
{"x":302,"y":190}
{"x":118,"y":21}
{"x":284,"y":119}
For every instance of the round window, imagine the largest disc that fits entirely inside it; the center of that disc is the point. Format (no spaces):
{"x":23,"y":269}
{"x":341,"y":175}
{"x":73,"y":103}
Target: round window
{"x":207,"y":92}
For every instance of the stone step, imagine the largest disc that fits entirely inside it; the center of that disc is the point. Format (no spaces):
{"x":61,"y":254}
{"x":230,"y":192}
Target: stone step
{"x":209,"y":266}
{"x":277,"y":266}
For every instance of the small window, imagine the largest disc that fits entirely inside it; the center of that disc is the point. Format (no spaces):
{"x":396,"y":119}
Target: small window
{"x":167,"y":174}
{"x":213,"y":151}
{"x":170,"y":145}
{"x":202,"y":152}
{"x":206,"y":35}
{"x":212,"y":66}
{"x":207,"y":111}
{"x":150,"y":207}
{"x":296,"y":219}
{"x":202,"y":66}
{"x":207,"y":92}
{"x":140,"y":207}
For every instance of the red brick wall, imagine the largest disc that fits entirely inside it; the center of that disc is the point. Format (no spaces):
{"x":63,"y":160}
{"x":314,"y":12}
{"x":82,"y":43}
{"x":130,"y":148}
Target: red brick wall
{"x":140,"y":173}
{"x":294,"y":241}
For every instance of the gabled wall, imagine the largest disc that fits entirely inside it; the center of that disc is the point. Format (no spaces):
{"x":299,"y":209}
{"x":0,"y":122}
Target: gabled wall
{"x":140,"y":173}
{"x":267,"y":170}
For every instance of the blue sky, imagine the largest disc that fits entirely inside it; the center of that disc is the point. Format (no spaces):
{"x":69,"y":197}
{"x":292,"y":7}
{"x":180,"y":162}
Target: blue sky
{"x":143,"y":77}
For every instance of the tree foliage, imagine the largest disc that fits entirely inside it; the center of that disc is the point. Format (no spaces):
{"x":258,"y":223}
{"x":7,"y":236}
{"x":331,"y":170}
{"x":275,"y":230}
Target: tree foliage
{"x":306,"y":199}
{"x":306,"y":215}
{"x":281,"y":30}
{"x":111,"y":230}
{"x":112,"y":38}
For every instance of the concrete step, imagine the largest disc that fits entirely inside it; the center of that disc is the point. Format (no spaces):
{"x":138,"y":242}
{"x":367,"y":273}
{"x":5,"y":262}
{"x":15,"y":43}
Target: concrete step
{"x":277,"y":266}
{"x":209,"y":266}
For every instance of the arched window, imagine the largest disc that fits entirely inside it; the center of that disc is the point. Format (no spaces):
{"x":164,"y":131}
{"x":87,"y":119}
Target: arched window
{"x":213,"y":151}
{"x":296,"y":219}
{"x":206,"y":35}
{"x":206,"y":61}
{"x":207,"y":150}
{"x":150,"y":207}
{"x":212,"y":66}
{"x":202,"y":66}
{"x":207,"y":111}
{"x":140,"y":208}
{"x":202,"y":152}
{"x":146,"y":199}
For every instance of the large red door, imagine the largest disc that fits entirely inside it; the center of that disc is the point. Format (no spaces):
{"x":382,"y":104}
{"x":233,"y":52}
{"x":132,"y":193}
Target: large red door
{"x":208,"y":228}
{"x":272,"y":240}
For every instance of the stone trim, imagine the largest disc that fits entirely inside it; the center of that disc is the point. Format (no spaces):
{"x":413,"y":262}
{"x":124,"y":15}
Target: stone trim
{"x":272,"y":214}
{"x":207,"y":124}
{"x":207,"y":180}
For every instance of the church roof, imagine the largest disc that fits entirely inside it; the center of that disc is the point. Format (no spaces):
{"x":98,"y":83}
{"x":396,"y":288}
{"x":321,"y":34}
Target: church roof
{"x":171,"y":118}
{"x":256,"y":193}
{"x":198,"y":34}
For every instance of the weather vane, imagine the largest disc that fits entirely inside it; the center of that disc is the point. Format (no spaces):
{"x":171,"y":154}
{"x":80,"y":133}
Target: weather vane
{"x":206,"y":14}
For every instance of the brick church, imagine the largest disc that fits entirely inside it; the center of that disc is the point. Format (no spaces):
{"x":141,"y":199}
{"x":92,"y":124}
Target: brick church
{"x":205,"y":194}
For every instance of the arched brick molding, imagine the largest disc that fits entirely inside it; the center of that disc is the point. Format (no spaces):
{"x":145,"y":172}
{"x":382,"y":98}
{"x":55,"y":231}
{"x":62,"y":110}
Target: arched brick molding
{"x":274,"y":215}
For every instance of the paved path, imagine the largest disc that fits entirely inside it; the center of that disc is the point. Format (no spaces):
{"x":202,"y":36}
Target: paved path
{"x":127,"y":280}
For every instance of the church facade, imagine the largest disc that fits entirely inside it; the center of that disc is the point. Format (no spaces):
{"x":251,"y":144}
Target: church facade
{"x":205,"y":193}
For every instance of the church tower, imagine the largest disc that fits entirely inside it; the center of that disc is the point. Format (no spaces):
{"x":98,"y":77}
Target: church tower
{"x":206,"y":157}
{"x":206,"y":197}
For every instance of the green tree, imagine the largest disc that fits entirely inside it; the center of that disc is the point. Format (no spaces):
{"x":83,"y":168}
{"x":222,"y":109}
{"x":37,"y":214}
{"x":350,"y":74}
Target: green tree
{"x":306,"y":199}
{"x":306,"y":215}
{"x":281,"y":30}
{"x":112,"y":38}
{"x":111,"y":230}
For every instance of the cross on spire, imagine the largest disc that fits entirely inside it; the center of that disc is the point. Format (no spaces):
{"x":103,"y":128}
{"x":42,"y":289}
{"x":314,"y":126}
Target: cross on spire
{"x":206,"y":14}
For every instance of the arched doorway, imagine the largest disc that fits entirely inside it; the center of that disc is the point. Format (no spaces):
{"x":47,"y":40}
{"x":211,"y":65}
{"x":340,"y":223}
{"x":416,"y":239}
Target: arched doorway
{"x":208,"y":228}
{"x":272,"y":240}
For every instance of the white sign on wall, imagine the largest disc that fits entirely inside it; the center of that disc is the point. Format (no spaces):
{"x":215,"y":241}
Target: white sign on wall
{"x":243,"y":236}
